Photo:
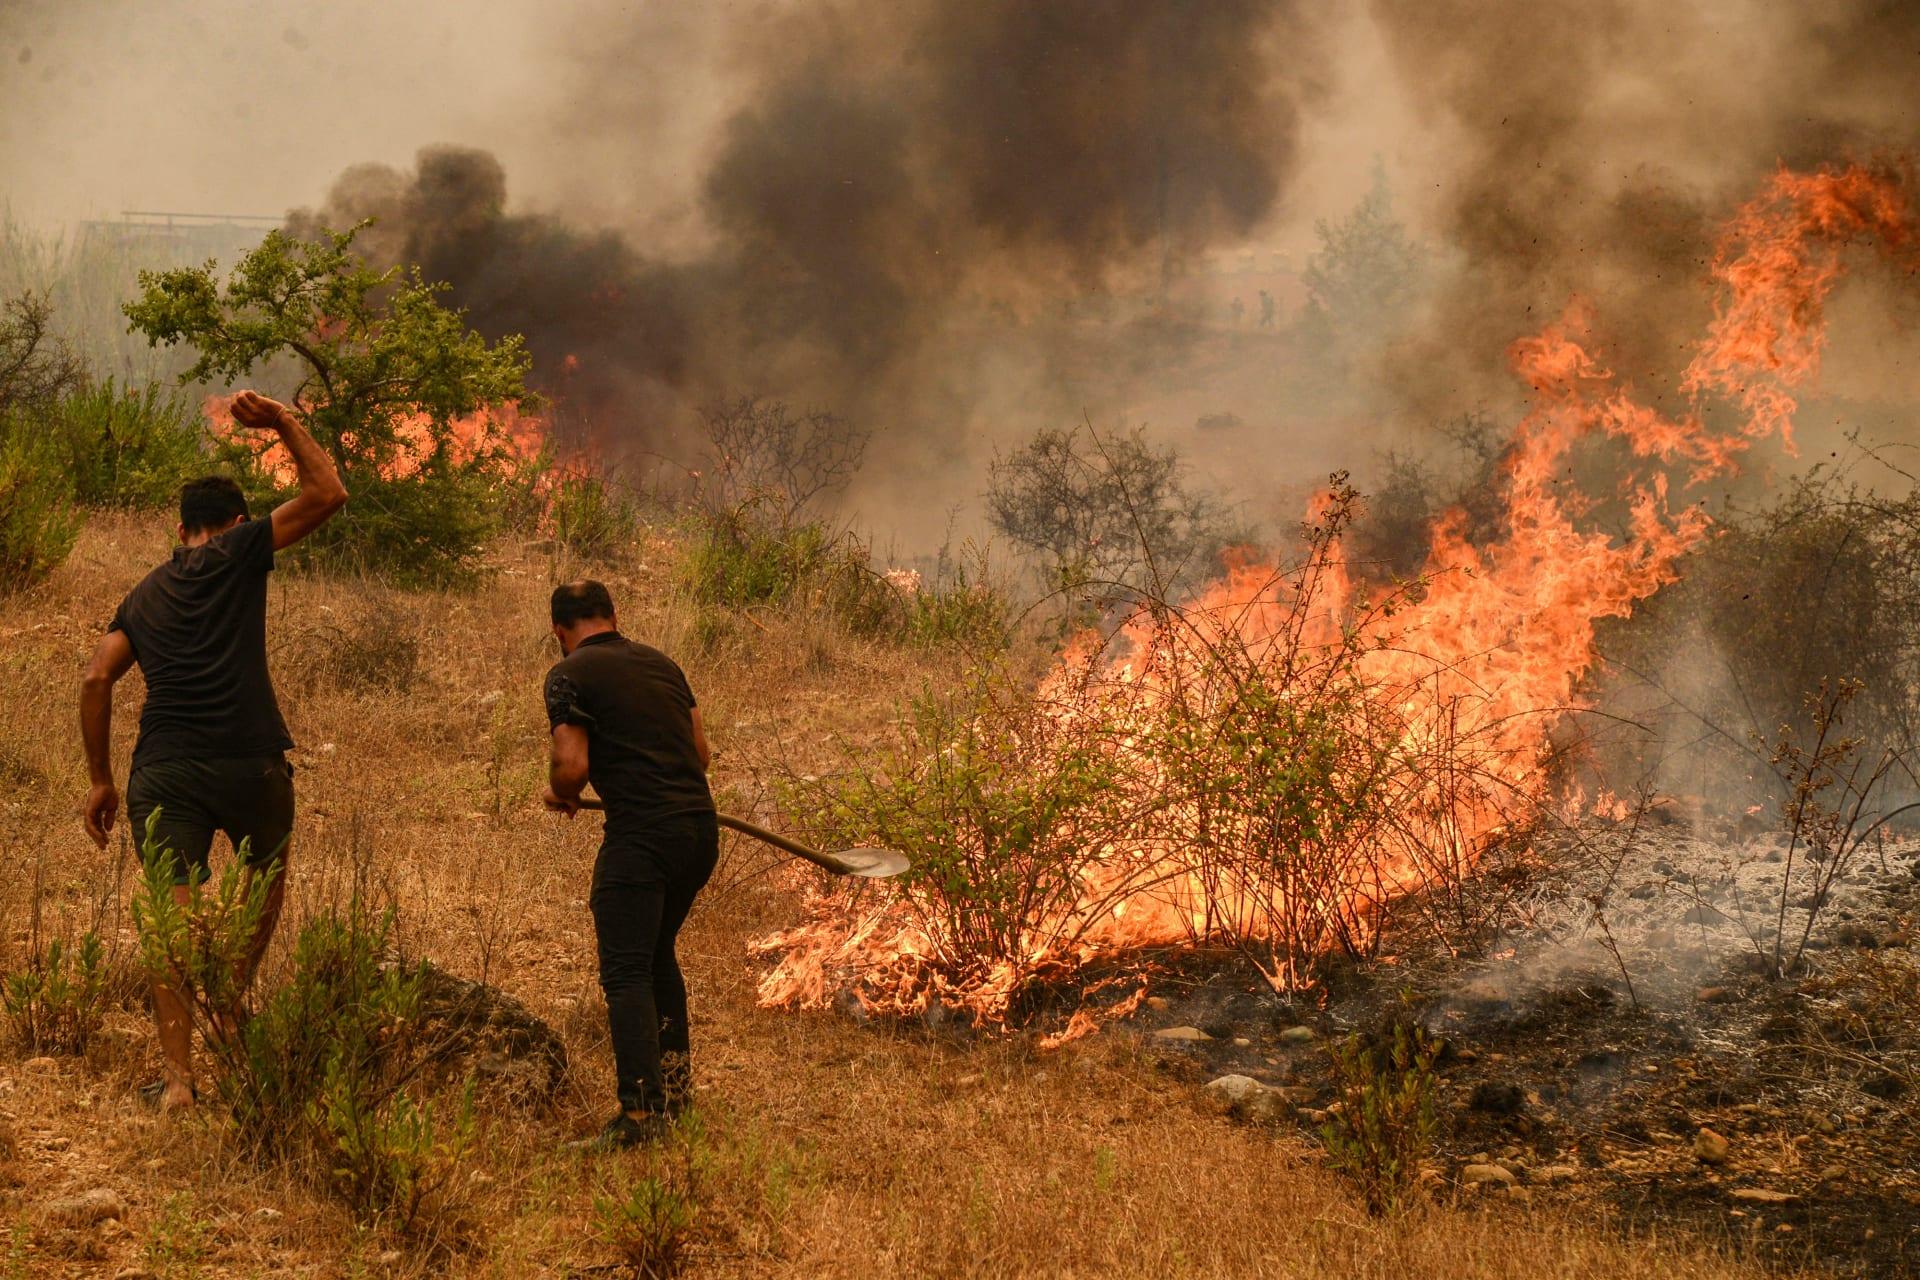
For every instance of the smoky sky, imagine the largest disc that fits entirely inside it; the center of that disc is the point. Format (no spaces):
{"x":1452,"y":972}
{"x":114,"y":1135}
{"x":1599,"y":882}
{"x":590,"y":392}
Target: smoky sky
{"x":958,"y":222}
{"x":881,"y":177}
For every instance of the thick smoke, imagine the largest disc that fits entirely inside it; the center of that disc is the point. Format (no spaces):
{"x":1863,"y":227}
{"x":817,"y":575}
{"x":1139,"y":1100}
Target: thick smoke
{"x":1593,"y":149}
{"x":900,"y":184}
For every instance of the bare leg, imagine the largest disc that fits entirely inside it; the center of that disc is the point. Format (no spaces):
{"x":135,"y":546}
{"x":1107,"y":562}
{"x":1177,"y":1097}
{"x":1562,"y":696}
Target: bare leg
{"x":176,"y":1034}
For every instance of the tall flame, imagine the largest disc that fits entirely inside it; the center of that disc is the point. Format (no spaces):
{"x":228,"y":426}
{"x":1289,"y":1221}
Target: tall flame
{"x":1475,"y":665}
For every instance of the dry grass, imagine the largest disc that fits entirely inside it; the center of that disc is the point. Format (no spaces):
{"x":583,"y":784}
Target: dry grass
{"x":831,"y":1149}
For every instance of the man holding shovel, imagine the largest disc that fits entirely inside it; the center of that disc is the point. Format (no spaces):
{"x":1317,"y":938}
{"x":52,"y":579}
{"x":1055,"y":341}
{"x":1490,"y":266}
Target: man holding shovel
{"x":623,"y":718}
{"x":211,"y":752}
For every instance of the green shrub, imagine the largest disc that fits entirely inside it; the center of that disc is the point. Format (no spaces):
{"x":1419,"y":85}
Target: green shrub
{"x":130,"y":449}
{"x":742,"y":557}
{"x":964,"y":607}
{"x":319,"y":1076}
{"x":586,"y":514}
{"x":754,"y":555}
{"x":57,"y":1003}
{"x":653,"y":1225}
{"x":39,"y":517}
{"x":1385,"y":1121}
{"x":178,"y":1241}
{"x":1009,"y":813}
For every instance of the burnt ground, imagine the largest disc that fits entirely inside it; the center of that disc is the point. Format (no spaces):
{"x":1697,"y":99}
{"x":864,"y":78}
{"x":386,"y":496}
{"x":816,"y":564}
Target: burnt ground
{"x":1590,"y":1079}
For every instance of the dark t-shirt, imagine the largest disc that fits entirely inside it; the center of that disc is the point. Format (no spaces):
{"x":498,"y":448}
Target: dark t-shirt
{"x":637,"y":709}
{"x":198,"y":626}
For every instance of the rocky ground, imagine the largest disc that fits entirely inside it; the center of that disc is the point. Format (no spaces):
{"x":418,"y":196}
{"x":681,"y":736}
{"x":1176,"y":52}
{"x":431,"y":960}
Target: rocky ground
{"x":1619,"y":1043}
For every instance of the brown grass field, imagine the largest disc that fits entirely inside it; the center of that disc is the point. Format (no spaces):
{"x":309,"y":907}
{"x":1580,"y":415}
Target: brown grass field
{"x":830,"y":1148}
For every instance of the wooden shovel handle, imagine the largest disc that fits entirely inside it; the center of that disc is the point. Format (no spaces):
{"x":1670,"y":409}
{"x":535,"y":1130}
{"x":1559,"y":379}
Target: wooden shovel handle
{"x":825,"y":861}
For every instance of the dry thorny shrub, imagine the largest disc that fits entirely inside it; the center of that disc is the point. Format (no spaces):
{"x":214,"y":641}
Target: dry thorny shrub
{"x":1224,"y":773}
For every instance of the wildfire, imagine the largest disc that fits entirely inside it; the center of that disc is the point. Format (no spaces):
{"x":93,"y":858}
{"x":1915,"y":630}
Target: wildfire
{"x":517,"y":438}
{"x":1443,"y":697}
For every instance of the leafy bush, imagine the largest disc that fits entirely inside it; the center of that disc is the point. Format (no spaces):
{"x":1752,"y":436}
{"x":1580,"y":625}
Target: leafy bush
{"x":1008,"y":811}
{"x":130,"y":449}
{"x":39,"y":517}
{"x":393,"y":385}
{"x":654,"y":1224}
{"x":1385,"y":1121}
{"x":319,"y":1075}
{"x":756,"y":555}
{"x":57,"y":1003}
{"x":589,"y":516}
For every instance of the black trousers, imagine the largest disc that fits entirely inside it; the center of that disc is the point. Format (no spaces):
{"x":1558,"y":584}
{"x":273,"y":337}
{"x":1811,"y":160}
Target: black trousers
{"x":644,"y":883}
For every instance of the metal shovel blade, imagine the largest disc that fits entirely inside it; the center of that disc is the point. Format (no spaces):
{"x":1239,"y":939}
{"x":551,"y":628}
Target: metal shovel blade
{"x":870,"y":864}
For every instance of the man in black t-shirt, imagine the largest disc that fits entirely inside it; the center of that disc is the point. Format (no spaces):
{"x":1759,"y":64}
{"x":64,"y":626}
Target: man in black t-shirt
{"x":210,"y":755}
{"x":624,"y":719}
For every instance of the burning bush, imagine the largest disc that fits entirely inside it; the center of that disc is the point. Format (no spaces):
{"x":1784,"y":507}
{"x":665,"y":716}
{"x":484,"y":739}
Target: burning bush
{"x":1243,"y":771}
{"x":416,"y":409}
{"x":1279,"y":762}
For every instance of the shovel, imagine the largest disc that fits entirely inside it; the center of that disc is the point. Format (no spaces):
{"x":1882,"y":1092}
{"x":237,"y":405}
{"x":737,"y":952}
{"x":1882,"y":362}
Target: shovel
{"x":871,"y":864}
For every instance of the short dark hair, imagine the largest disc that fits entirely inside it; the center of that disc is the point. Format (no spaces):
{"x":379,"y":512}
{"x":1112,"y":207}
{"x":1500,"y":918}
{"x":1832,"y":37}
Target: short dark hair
{"x":211,"y":502}
{"x":578,"y":601}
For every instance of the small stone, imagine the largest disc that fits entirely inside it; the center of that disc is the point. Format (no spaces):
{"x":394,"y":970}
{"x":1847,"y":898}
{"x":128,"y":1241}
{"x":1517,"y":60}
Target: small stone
{"x":1297,"y":1035}
{"x":1714,"y":995}
{"x":1553,"y":1173}
{"x":42,"y":1064}
{"x":1160,"y":1003}
{"x":1241,"y":1042}
{"x":1833,"y":1173}
{"x":1246,"y":1097}
{"x":1709,"y":1147}
{"x":84,"y":1209}
{"x":327,"y":748}
{"x":1181,"y":1035}
{"x":1474,"y":1174}
{"x":1760,"y":1195}
{"x":134,"y":1273}
{"x":1519,"y":1193}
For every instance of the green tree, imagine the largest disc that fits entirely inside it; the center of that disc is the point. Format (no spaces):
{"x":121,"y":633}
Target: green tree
{"x":385,"y":373}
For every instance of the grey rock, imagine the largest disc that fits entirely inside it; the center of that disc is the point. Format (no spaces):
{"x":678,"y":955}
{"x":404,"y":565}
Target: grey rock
{"x":85,"y":1209}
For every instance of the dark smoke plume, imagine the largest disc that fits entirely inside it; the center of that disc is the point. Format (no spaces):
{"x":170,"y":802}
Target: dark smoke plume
{"x":893,"y":172}
{"x":1599,"y":145}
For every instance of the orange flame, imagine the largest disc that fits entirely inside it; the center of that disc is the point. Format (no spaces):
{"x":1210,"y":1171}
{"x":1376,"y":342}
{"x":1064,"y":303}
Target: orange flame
{"x":1488,"y":652}
{"x":518,"y":437}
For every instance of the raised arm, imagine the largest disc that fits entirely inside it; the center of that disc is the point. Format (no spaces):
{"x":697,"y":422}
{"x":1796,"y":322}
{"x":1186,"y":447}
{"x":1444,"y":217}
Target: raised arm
{"x":111,"y":659}
{"x":321,"y":493}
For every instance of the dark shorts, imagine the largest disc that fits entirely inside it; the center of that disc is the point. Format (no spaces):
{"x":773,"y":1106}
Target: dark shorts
{"x":250,"y":798}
